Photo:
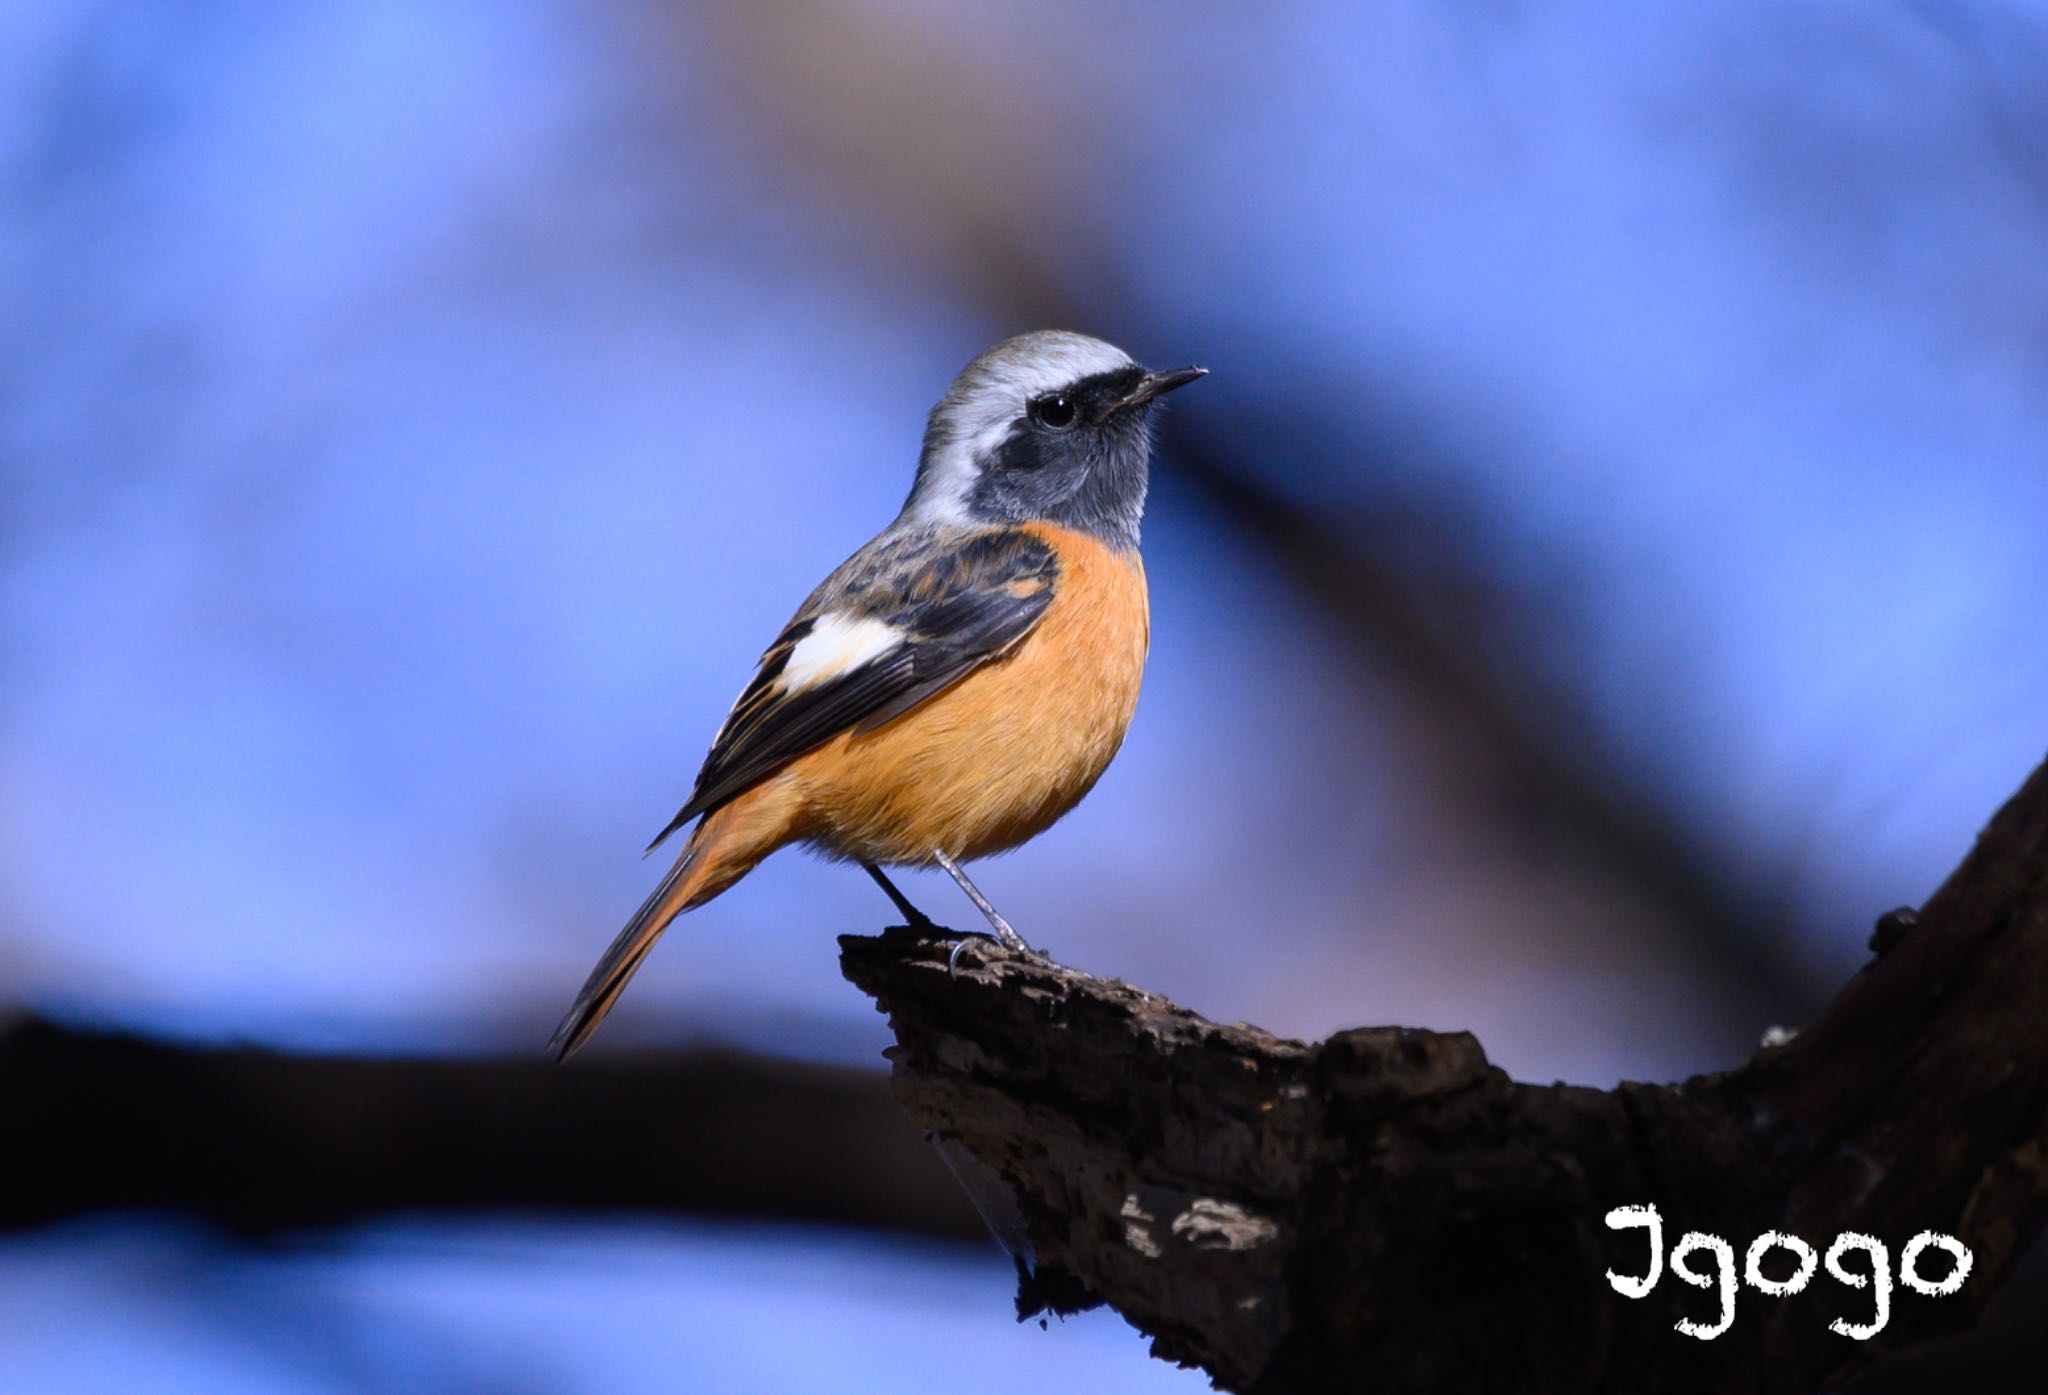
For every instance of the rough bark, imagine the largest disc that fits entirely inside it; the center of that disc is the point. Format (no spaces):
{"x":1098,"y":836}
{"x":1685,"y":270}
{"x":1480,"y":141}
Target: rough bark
{"x":1386,"y":1210}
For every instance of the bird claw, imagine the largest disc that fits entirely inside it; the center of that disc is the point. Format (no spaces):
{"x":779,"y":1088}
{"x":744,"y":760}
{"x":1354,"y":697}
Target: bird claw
{"x":1013,"y":944}
{"x":961,"y":939}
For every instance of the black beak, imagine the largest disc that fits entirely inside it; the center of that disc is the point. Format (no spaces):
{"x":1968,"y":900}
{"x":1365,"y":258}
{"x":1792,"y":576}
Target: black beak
{"x":1154,"y":385}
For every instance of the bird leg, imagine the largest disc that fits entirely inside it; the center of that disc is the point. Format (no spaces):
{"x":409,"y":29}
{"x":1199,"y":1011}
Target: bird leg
{"x":912,"y":916}
{"x":1010,"y":938}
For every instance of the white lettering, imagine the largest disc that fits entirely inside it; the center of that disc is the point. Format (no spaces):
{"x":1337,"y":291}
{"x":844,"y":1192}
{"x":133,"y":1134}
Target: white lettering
{"x":1628,"y":1217}
{"x":1724,"y":1262}
{"x":1880,"y":1272}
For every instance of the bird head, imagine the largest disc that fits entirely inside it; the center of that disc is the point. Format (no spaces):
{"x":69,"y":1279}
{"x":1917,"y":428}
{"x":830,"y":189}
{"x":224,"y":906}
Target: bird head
{"x":1051,"y":426}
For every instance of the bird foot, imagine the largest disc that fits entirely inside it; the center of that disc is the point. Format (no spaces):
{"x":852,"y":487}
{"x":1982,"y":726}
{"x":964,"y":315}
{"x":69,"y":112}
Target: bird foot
{"x":1012,"y":943}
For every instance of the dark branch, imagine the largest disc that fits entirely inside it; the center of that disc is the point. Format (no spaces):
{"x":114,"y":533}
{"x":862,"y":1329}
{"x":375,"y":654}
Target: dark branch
{"x":1386,"y":1210}
{"x":260,"y":1141}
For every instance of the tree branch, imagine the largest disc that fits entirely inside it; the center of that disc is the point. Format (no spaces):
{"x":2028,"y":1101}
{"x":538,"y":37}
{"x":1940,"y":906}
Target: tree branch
{"x":1386,"y":1210}
{"x":261,"y":1141}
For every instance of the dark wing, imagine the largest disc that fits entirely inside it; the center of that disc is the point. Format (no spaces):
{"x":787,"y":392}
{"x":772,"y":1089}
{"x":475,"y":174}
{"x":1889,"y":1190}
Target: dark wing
{"x":876,"y":642}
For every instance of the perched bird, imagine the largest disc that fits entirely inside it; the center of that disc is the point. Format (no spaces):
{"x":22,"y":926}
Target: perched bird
{"x":960,"y":682}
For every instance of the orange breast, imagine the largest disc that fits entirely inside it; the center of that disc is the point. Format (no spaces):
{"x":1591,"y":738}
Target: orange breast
{"x":1001,"y":755}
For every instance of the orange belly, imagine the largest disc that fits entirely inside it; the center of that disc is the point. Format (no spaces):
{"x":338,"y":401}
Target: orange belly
{"x":1001,"y":755}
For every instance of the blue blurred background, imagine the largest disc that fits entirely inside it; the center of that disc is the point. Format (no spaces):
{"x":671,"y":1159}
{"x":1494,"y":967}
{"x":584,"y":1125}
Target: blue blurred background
{"x":1604,"y":570}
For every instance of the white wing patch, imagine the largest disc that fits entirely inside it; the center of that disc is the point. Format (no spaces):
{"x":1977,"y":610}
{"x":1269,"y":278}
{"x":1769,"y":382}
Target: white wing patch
{"x":836,"y":644}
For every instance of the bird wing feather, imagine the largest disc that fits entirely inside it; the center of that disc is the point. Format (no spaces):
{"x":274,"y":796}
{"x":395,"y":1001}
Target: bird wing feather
{"x":926,"y":611}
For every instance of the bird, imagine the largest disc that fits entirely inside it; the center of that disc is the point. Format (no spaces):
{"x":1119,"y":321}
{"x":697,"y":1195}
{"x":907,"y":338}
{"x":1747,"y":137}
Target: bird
{"x":960,"y":682}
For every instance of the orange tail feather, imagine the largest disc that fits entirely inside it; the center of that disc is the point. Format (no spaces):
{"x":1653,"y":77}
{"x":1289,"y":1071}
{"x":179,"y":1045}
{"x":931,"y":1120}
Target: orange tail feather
{"x":724,"y":848}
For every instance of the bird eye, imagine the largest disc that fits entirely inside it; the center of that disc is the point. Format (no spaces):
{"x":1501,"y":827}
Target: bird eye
{"x":1056,"y":411}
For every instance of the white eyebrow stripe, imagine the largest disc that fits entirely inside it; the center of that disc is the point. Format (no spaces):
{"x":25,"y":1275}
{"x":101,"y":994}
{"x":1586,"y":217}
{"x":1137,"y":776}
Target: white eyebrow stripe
{"x":837,"y":644}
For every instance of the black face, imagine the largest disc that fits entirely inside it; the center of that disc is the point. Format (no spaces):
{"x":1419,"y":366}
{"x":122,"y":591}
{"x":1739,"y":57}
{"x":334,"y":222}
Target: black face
{"x":1076,"y":457}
